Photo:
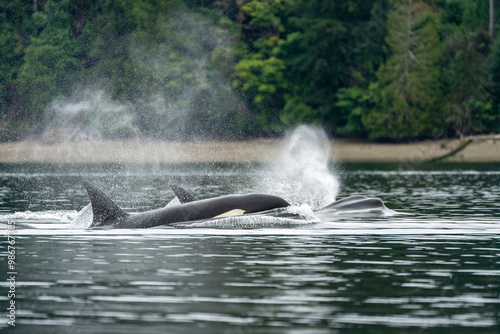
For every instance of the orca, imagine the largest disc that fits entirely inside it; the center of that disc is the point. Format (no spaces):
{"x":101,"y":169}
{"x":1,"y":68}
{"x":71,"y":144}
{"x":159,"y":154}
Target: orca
{"x":106,"y":214}
{"x":356,"y":203}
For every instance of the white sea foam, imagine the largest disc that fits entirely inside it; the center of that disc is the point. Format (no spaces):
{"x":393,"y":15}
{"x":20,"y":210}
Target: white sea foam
{"x":249,"y":222}
{"x":305,"y":211}
{"x":62,"y":216}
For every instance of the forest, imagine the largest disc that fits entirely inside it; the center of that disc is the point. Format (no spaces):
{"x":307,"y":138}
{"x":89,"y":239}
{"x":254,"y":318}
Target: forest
{"x":387,"y":70}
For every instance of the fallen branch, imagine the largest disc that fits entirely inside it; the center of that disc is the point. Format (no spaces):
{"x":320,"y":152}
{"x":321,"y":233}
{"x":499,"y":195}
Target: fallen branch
{"x":460,"y":147}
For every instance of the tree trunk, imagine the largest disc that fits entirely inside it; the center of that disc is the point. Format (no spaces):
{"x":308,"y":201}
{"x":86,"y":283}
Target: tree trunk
{"x":492,"y":12}
{"x":406,"y":66}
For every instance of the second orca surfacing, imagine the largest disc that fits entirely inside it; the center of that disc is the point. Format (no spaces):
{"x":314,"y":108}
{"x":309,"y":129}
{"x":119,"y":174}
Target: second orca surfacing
{"x":106,"y":214}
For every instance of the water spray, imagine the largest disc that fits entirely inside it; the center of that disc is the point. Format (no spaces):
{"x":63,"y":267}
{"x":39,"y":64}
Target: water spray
{"x":300,"y":172}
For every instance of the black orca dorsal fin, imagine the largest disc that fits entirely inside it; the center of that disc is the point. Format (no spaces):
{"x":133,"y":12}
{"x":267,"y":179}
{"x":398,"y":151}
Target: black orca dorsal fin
{"x":105,"y":211}
{"x":182,"y":194}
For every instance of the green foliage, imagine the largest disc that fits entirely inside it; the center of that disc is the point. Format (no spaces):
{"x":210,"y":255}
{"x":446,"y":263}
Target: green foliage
{"x":381,"y":69}
{"x":16,"y":30}
{"x":265,"y":14}
{"x":469,"y":107}
{"x":49,"y":61}
{"x":260,"y":75}
{"x":183,"y":74}
{"x":326,"y":39}
{"x":355,"y":104}
{"x":493,"y":123}
{"x":263,"y":81}
{"x":410,"y":93}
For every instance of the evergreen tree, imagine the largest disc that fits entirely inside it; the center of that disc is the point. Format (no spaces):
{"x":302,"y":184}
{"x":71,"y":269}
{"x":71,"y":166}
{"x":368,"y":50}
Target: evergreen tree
{"x":290,"y":61}
{"x":327,"y":42}
{"x":260,"y":72}
{"x":49,"y":62}
{"x":469,"y":104}
{"x":409,"y":100}
{"x":16,"y":28}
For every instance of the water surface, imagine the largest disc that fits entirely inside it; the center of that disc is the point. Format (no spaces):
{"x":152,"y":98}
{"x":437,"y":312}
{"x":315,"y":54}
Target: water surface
{"x":433,"y":267}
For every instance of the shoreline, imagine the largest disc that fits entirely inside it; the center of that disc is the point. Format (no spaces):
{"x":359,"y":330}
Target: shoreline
{"x":480,"y":149}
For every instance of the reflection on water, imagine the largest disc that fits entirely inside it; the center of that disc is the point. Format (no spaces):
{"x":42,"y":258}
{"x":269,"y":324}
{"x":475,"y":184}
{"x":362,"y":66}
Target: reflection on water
{"x":258,"y":284}
{"x":435,"y":268}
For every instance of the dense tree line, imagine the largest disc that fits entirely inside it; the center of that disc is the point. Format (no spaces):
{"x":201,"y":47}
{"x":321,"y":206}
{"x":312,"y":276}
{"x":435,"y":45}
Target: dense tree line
{"x":380,"y":69}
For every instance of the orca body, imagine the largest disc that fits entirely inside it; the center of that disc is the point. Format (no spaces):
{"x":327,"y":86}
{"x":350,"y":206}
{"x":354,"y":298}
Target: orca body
{"x":354,"y":203}
{"x":106,"y":214}
{"x":348,"y":205}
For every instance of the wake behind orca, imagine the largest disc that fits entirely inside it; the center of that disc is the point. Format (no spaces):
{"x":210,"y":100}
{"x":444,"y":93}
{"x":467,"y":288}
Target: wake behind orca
{"x":107,"y":214}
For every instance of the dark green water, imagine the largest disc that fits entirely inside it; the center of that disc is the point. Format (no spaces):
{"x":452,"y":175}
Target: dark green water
{"x":434,"y":269}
